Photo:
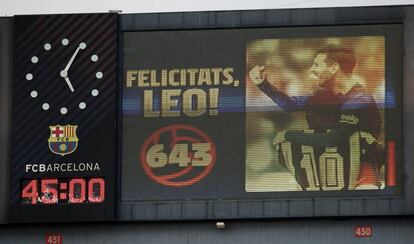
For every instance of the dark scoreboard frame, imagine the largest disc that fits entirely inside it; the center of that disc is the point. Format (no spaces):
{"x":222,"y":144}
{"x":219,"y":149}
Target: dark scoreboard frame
{"x":242,"y":208}
{"x":303,"y":206}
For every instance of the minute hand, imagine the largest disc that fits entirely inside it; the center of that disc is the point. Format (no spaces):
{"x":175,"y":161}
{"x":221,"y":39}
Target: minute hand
{"x":72,"y":58}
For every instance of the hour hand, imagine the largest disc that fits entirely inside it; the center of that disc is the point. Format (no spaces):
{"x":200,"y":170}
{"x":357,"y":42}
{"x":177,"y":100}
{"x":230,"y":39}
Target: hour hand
{"x":64,"y":75}
{"x":69,"y":84}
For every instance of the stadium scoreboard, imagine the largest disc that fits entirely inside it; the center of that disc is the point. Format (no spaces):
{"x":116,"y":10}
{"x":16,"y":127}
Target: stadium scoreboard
{"x":258,"y":118}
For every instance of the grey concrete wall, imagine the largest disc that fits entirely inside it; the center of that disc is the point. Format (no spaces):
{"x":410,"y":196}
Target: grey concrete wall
{"x":295,"y":231}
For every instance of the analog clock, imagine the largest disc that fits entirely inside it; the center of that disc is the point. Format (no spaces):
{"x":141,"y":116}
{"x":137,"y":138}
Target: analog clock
{"x":64,"y":61}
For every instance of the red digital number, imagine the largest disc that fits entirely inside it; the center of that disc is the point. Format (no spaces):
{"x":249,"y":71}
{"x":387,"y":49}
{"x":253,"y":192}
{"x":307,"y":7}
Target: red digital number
{"x":30,"y":191}
{"x":53,"y":239}
{"x":52,"y":191}
{"x":77,"y":196}
{"x":96,"y":197}
{"x":49,"y":192}
{"x":363,"y":231}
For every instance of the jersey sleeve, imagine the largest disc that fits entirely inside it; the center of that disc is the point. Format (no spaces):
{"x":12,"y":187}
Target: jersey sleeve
{"x":359,"y":113}
{"x":284,"y":101}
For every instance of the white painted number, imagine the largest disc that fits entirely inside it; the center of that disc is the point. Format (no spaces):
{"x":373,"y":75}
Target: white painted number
{"x":308,"y":163}
{"x":330,"y":175}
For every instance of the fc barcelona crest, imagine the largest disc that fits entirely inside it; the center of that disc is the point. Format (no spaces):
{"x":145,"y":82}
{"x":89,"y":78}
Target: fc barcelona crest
{"x":63,"y":139}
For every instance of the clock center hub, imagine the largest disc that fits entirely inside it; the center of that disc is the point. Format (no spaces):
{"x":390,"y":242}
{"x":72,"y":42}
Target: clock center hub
{"x":64,"y":73}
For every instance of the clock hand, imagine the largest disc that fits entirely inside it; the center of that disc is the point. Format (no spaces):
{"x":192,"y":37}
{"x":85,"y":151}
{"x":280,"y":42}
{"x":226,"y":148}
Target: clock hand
{"x":72,"y":59}
{"x":64,"y":72}
{"x":64,"y":75}
{"x":69,"y":84}
{"x":81,"y":45}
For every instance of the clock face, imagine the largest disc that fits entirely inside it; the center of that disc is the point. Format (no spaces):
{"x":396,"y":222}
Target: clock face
{"x":64,"y":57}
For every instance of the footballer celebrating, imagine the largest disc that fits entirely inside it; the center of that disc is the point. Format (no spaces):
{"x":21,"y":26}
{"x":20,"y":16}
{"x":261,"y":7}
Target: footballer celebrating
{"x":339,"y":150}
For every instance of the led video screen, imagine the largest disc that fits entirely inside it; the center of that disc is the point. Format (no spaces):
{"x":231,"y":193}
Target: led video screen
{"x":261,"y":113}
{"x":315,"y":116}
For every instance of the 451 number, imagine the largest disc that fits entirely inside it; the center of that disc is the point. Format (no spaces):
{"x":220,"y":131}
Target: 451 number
{"x":198,"y":155}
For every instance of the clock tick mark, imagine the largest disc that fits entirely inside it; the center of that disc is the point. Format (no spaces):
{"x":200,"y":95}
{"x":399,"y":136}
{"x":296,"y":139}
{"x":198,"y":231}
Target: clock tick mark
{"x":95,"y":92}
{"x":29,"y":76}
{"x":63,"y":110}
{"x":99,"y":75}
{"x":45,"y":106}
{"x":47,"y":46}
{"x":33,"y":94}
{"x":65,"y":41}
{"x":82,"y":105}
{"x":34,"y":59}
{"x":82,"y":45}
{"x":94,"y":58}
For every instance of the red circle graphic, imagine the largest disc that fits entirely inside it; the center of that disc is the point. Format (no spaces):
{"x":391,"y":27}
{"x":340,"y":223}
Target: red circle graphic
{"x":174,"y":131}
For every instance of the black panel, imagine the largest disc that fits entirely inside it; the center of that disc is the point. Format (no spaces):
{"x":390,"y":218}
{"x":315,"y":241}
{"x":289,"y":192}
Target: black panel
{"x":372,"y":15}
{"x":224,"y":210}
{"x":172,"y":20}
{"x":194,"y":20}
{"x":5,"y":97}
{"x":325,"y":16}
{"x":253,"y":18}
{"x":230,"y":19}
{"x":276,"y":208}
{"x":145,"y":21}
{"x":63,"y":115}
{"x":408,"y":116}
{"x":298,"y":16}
{"x":278,"y":17}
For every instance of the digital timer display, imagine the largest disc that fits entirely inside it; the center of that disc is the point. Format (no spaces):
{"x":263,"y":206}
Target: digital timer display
{"x":65,"y":190}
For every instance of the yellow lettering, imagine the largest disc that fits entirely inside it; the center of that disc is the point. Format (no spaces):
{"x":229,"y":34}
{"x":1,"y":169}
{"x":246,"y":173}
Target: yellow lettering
{"x":149,"y":105}
{"x":142,"y":77}
{"x":131,"y":76}
{"x":200,"y":101}
{"x":192,"y":73}
{"x":183,"y":76}
{"x":171,"y":77}
{"x":216,"y":75}
{"x":154,"y":82}
{"x":229,"y":77}
{"x":204,"y":77}
{"x":168,"y":102}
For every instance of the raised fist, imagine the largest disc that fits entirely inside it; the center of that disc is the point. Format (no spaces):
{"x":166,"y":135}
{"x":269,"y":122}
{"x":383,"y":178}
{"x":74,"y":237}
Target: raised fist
{"x":257,"y":75}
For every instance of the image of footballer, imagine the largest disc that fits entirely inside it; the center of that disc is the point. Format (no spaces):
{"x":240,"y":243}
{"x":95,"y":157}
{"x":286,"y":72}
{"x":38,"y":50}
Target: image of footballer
{"x":329,"y":135}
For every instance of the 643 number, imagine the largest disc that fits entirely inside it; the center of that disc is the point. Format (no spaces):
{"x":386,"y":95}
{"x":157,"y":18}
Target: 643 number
{"x":198,"y":155}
